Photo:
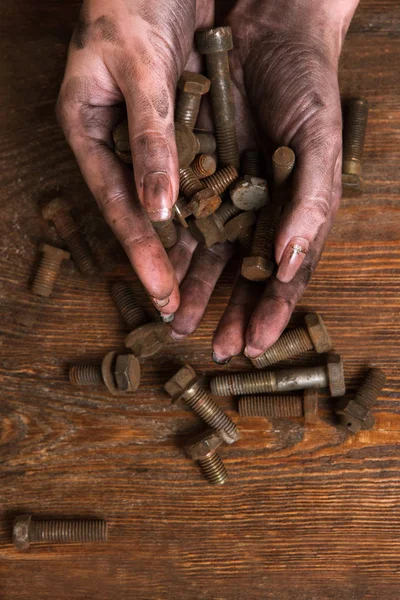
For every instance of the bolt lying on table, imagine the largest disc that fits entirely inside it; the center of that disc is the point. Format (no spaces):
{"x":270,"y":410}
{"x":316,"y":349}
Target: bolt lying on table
{"x":354,"y":130}
{"x":119,"y":373}
{"x":203,"y":449}
{"x":48,"y":270}
{"x":281,"y":406}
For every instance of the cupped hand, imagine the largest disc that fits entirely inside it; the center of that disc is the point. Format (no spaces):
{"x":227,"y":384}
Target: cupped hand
{"x":133,"y":52}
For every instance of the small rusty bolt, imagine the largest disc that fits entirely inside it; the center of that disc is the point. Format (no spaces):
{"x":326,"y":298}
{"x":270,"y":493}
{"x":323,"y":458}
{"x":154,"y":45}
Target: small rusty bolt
{"x":215,"y":44}
{"x":331,"y":376}
{"x":281,"y":406}
{"x":207,"y":231}
{"x":184,"y":384}
{"x":237,"y":229}
{"x":186,"y":144}
{"x":354,"y":131}
{"x":147,"y":340}
{"x":249,"y":193}
{"x":28,"y":530}
{"x":128,"y":306}
{"x":260,"y":265}
{"x":222,"y":179}
{"x":59,"y":212}
{"x":356,"y":414}
{"x":119,"y":373}
{"x":207,"y":144}
{"x":204,"y":165}
{"x":252,"y":163}
{"x":189,"y":183}
{"x":204,"y":203}
{"x":192,"y":87}
{"x":49,"y":269}
{"x":293,"y":342}
{"x":203,"y":449}
{"x":167,"y":233}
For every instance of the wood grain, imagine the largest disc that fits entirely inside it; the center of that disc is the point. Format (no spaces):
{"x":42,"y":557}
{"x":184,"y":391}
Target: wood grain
{"x":307,"y":513}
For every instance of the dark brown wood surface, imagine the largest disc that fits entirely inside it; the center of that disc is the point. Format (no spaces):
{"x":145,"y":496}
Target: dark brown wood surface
{"x":307,"y":513}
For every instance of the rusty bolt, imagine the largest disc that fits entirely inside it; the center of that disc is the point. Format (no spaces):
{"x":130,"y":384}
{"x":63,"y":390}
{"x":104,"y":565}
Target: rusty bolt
{"x":215,"y":44}
{"x":252,"y":163}
{"x":189,"y":183}
{"x":119,"y":373}
{"x":237,"y":228}
{"x":222,"y":179}
{"x":356,"y":414}
{"x":184,"y":384}
{"x":355,"y":127}
{"x":28,"y":530}
{"x":207,"y":231}
{"x":187,"y":145}
{"x":331,"y":376}
{"x":204,"y":203}
{"x":127,"y":304}
{"x":204,"y":165}
{"x":49,"y":269}
{"x":249,"y":193}
{"x":281,"y":406}
{"x":167,"y":233}
{"x":206,"y":143}
{"x":192,"y":87}
{"x":59,"y":212}
{"x":293,"y":342}
{"x":147,"y":340}
{"x":203,"y":449}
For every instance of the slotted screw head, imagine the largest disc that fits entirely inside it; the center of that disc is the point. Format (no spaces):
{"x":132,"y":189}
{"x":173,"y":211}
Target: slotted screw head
{"x":186,"y":143}
{"x":50,"y":210}
{"x":257,"y":268}
{"x":127,"y":373}
{"x":214,"y":39}
{"x":21,"y":532}
{"x":147,"y":340}
{"x":336,"y":375}
{"x":238,"y":225}
{"x":203,"y":445}
{"x":318,"y":332}
{"x":249,"y":193}
{"x":180,"y":382}
{"x":204,"y":203}
{"x":193,"y":83}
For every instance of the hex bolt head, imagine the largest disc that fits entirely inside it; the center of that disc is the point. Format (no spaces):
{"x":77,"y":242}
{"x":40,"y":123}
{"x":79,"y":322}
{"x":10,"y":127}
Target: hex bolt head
{"x":48,"y":270}
{"x":108,"y":372}
{"x":21,"y":526}
{"x":249,"y":193}
{"x":215,"y":39}
{"x":257,"y":268}
{"x":193,"y":83}
{"x":186,"y":143}
{"x":318,"y":332}
{"x":337,"y":384}
{"x":180,"y":382}
{"x":147,"y":340}
{"x":127,"y":373}
{"x":207,"y":231}
{"x":203,"y":445}
{"x":204,"y":203}
{"x":237,"y":226}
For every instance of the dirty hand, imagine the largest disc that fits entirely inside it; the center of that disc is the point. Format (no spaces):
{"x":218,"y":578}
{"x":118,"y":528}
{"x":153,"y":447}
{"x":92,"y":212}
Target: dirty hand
{"x":285,"y":61}
{"x":131,"y":51}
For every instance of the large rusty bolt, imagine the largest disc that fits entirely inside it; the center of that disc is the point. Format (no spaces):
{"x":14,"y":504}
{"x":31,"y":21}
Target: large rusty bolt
{"x":192,"y":87}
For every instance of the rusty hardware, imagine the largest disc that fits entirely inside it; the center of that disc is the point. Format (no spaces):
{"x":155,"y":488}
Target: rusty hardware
{"x":260,"y":265}
{"x":118,"y":372}
{"x":312,"y":336}
{"x":355,"y":127}
{"x":187,"y":145}
{"x":203,"y":200}
{"x":221,"y":179}
{"x":167,"y":233}
{"x":204,"y":165}
{"x":189,"y":183}
{"x":203,"y":449}
{"x":29,"y":530}
{"x":281,"y":406}
{"x":48,"y":270}
{"x":59,"y":212}
{"x":192,"y":87}
{"x":184,"y":384}
{"x":206,"y":143}
{"x":181,"y":212}
{"x":285,"y":380}
{"x":240,"y":228}
{"x":356,"y":414}
{"x":249,"y":193}
{"x":252,"y":163}
{"x":215,"y":44}
{"x":210,"y":231}
{"x":128,"y":306}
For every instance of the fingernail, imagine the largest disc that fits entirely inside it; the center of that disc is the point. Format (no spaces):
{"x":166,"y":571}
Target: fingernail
{"x":161,"y":303}
{"x":176,"y":336}
{"x":157,"y":196}
{"x":220,"y":361}
{"x":252,"y":352}
{"x":292,"y":259}
{"x":167,"y":318}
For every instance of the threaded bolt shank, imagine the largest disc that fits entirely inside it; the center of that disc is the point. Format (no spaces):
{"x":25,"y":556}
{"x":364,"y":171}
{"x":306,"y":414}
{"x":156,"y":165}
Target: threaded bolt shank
{"x":48,"y":270}
{"x":226,"y":212}
{"x":354,"y":136}
{"x":214,"y":469}
{"x":57,"y":531}
{"x":199,"y":400}
{"x":189,"y":183}
{"x":206,"y":142}
{"x":271,"y":406}
{"x":221,"y":180}
{"x":291,"y":343}
{"x":204,"y":165}
{"x":251,"y":163}
{"x":370,"y":388}
{"x":129,"y":308}
{"x":85,"y":374}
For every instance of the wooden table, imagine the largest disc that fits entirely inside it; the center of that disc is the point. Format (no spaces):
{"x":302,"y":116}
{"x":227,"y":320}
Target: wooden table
{"x":307,"y":514}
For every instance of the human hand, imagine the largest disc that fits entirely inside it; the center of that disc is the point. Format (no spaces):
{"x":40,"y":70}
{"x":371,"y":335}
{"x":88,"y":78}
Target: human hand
{"x":285,"y":62}
{"x":132,"y":51}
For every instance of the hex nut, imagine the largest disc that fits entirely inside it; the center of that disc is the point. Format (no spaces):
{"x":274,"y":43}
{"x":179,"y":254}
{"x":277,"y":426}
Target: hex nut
{"x":204,"y":203}
{"x":203,"y":445}
{"x":249,"y":193}
{"x":108,"y":372}
{"x":180,"y":382}
{"x":207,"y":231}
{"x":127,"y":373}
{"x":147,"y":340}
{"x":214,"y":39}
{"x":21,"y":532}
{"x":318,"y":332}
{"x":193,"y":83}
{"x":256,"y":268}
{"x":310,"y":405}
{"x":186,"y":143}
{"x":336,"y":375}
{"x":50,"y":210}
{"x":236,"y":226}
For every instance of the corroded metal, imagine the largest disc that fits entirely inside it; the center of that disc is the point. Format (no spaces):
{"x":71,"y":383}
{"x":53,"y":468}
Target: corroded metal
{"x":167,"y":233}
{"x":222,"y":179}
{"x":206,"y":143}
{"x":128,"y":306}
{"x":28,"y":529}
{"x":281,"y":406}
{"x":354,"y":130}
{"x":203,"y":449}
{"x":119,"y":373}
{"x":48,"y":270}
{"x":252,"y":163}
{"x":204,"y":165}
{"x":192,"y":87}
